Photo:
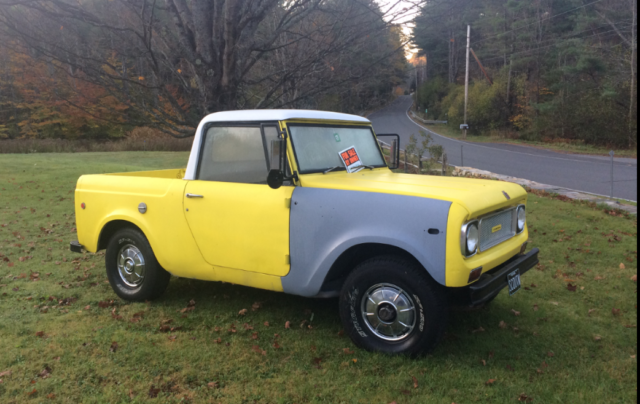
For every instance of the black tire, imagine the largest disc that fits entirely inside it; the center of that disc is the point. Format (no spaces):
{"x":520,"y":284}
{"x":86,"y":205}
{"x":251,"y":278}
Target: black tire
{"x":428,"y":298}
{"x":155,"y":279}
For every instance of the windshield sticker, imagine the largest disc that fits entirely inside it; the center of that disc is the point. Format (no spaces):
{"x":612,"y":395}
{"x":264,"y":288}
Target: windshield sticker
{"x":337,"y":137}
{"x":351,"y":159}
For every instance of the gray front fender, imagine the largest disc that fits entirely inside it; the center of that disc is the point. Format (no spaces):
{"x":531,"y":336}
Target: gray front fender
{"x":327,"y":222}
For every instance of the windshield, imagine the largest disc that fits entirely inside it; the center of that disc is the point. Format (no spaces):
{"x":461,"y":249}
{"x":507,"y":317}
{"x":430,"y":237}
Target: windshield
{"x":318,"y":148}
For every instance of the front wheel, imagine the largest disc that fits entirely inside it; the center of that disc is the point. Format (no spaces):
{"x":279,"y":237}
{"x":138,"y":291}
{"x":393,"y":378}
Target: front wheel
{"x":132,"y":268}
{"x":391,"y":305}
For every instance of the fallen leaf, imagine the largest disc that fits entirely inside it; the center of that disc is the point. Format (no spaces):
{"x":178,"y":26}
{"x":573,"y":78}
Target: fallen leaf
{"x":516,"y":313}
{"x":172,"y":337}
{"x":213,"y":385}
{"x":254,"y":335}
{"x":347,"y":351}
{"x":502,"y":325}
{"x":490,"y":382}
{"x":132,"y":394}
{"x":597,"y":338}
{"x":510,"y":368}
{"x":415,"y":382}
{"x":87,"y":307}
{"x":51,"y":396}
{"x":287,"y":324}
{"x":5,"y":373}
{"x":615,"y":311}
{"x":114,"y":347}
{"x":242,"y":312}
{"x":257,"y":349}
{"x":535,"y":307}
{"x":266,"y":324}
{"x":550,"y":354}
{"x":45,"y":372}
{"x":554,"y":303}
{"x":572,"y":288}
{"x":524,"y":398}
{"x":622,"y":266}
{"x":276,"y":345}
{"x":484,"y":362}
{"x":40,"y":334}
{"x":634,"y":278}
{"x":34,"y":391}
{"x":598,"y":278}
{"x":153,"y":392}
{"x":591,"y":311}
{"x":255,"y":306}
{"x":479,"y":329}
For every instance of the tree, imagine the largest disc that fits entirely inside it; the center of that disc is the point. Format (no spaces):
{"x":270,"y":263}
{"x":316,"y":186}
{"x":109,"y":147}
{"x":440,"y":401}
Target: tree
{"x":172,"y":61}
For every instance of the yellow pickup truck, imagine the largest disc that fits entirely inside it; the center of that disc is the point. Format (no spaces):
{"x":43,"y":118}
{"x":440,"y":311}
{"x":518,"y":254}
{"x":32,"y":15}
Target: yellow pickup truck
{"x":305,"y":202}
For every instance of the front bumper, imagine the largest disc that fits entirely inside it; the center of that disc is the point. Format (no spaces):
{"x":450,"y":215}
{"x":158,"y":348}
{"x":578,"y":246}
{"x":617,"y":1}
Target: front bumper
{"x":75,"y":246}
{"x":492,"y":282}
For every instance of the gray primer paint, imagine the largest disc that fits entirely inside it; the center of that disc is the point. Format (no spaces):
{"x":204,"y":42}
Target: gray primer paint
{"x":327,"y":222}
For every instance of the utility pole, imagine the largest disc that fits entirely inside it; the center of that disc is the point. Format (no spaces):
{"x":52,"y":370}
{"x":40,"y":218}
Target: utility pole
{"x":466,"y":82}
{"x":417,"y":86}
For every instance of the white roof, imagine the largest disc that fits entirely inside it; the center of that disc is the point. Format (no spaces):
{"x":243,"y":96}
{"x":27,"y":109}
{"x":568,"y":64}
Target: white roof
{"x":250,"y":115}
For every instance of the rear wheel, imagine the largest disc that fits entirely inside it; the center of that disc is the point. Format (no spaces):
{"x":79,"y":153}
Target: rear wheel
{"x":390,"y":304}
{"x":132,"y":268}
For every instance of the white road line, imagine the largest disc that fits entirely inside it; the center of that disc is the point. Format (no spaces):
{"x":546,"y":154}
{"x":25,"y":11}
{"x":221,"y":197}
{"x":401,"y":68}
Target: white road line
{"x":507,"y":151}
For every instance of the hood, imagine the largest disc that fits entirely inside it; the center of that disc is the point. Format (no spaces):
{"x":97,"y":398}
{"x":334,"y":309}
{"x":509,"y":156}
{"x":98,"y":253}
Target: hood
{"x":478,"y":197}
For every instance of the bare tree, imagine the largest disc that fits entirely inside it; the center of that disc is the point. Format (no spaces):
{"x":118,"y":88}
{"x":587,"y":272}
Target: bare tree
{"x":171,"y":61}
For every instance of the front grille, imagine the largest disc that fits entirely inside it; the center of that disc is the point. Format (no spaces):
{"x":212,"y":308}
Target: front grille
{"x":489,"y":235}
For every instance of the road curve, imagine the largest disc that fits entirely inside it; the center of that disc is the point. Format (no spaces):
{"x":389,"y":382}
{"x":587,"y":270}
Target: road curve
{"x":579,"y":172}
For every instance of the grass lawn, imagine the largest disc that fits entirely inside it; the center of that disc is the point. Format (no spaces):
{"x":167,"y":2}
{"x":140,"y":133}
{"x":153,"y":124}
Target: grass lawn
{"x":547,"y":343}
{"x":571,"y":148}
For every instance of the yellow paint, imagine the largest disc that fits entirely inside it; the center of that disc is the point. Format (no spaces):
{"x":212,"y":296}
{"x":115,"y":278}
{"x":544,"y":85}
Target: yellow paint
{"x":240,"y":226}
{"x":112,"y":197}
{"x":239,"y":233}
{"x":458,"y":268}
{"x":478,"y":197}
{"x":496,"y":228}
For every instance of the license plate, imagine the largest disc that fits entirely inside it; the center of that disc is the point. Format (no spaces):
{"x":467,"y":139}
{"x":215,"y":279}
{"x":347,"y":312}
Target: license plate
{"x":513,"y":279}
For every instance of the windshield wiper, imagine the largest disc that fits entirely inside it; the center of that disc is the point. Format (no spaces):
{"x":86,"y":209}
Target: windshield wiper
{"x":329,"y":170}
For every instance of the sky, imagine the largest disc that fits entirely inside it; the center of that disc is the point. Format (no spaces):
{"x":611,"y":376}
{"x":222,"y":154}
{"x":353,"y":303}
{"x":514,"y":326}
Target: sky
{"x":402,"y":12}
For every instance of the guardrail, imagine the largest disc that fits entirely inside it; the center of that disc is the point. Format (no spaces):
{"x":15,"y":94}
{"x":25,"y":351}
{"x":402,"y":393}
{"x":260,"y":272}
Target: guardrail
{"x":427,"y":122}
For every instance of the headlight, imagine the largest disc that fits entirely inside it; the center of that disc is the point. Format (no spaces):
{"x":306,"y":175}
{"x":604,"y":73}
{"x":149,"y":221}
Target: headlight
{"x":472,"y":239}
{"x":522,"y":218}
{"x":469,"y":239}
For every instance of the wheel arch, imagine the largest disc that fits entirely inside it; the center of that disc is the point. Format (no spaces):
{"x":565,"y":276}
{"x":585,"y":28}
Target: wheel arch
{"x":110,"y":228}
{"x":355,"y":255}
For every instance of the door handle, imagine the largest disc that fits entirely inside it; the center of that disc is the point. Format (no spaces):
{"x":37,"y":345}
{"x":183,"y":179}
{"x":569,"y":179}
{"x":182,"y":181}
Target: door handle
{"x":194,"y":196}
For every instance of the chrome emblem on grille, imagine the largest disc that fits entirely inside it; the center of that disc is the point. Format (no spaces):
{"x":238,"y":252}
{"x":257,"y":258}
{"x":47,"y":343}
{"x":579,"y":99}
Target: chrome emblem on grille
{"x":506,"y":195}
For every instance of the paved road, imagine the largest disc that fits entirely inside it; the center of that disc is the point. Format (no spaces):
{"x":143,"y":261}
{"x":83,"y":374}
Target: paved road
{"x":579,"y":172}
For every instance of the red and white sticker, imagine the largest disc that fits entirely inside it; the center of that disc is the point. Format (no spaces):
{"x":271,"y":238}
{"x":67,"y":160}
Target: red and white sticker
{"x":351,"y":159}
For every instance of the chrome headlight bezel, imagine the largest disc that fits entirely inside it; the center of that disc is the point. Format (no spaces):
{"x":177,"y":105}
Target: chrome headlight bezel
{"x":464,"y":238}
{"x":521,"y":222}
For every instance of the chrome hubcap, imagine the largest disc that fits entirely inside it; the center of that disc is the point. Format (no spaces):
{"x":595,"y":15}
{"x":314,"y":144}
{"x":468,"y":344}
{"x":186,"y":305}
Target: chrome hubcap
{"x":388,"y":311}
{"x":131,"y":265}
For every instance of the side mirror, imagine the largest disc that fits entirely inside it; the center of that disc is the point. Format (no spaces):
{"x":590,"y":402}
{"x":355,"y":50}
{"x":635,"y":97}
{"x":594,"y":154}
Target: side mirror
{"x":275,"y":179}
{"x":394,"y":151}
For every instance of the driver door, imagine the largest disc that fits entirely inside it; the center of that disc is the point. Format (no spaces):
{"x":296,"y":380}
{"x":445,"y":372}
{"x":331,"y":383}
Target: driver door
{"x":237,"y":220}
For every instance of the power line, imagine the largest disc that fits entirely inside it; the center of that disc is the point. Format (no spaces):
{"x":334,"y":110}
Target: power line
{"x":606,"y":33}
{"x":536,"y":22}
{"x":601,"y":26}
